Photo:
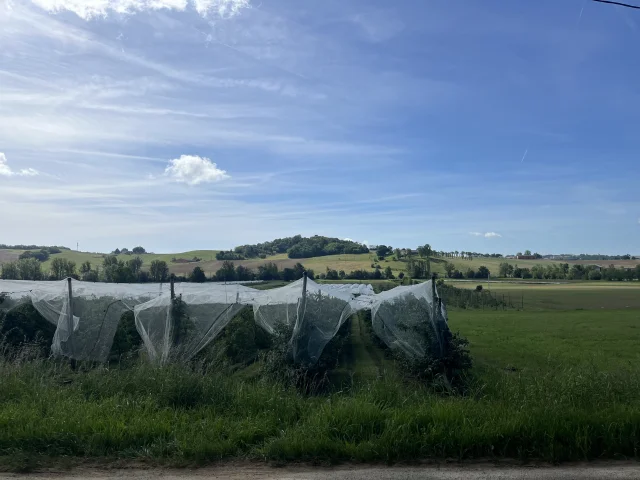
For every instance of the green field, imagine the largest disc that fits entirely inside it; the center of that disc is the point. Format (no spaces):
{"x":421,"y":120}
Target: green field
{"x":550,"y":382}
{"x":557,"y":381}
{"x":566,"y":296}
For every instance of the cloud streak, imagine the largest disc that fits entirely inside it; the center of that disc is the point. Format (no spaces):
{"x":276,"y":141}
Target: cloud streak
{"x":485,"y":235}
{"x":88,"y":9}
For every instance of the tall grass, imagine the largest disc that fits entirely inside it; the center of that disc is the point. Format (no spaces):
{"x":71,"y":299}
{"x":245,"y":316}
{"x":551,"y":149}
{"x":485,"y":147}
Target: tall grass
{"x":189,"y":416}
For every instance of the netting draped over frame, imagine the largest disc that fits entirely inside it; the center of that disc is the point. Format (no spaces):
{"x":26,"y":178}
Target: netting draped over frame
{"x":176,"y":331}
{"x":316,"y":315}
{"x":408,"y":319}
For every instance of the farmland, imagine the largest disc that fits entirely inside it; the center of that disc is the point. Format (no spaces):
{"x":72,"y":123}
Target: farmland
{"x":553,"y":382}
{"x":183,"y":263}
{"x":563,"y":296}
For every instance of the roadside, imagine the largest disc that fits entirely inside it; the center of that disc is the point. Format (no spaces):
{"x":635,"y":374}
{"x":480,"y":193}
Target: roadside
{"x":587,"y":471}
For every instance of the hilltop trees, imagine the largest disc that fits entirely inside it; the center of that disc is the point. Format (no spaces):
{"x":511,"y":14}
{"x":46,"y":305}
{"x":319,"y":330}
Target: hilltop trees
{"x":40,"y":255}
{"x":382,"y":251}
{"x":299,"y":247}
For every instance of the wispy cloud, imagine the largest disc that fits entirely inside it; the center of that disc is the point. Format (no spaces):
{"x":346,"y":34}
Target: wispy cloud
{"x":6,"y":171}
{"x":193,"y":170}
{"x":88,"y":9}
{"x":485,"y":235}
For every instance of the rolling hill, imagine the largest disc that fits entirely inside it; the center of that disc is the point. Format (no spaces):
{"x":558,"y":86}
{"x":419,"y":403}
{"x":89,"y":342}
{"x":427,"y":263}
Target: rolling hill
{"x":182,"y":263}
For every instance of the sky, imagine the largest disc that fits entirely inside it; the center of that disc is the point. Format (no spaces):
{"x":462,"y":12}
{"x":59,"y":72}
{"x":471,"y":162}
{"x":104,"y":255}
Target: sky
{"x":493,"y":126}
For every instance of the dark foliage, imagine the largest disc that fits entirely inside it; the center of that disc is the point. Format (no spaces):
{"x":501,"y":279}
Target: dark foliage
{"x":299,"y":247}
{"x":22,"y":328}
{"x":278,"y":363}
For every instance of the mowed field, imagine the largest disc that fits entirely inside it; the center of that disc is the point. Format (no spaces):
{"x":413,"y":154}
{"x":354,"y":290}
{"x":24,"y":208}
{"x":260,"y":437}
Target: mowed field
{"x":564,"y":296}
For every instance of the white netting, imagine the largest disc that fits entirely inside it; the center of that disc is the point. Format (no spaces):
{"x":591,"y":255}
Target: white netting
{"x":409,"y":319}
{"x":352,"y":288}
{"x":97,"y":309}
{"x":176,"y":331}
{"x":87,"y":316}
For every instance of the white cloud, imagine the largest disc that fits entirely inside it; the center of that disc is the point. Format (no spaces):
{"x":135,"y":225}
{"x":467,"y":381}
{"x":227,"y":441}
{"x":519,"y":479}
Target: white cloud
{"x":88,"y":9}
{"x":6,"y":171}
{"x":485,"y":235}
{"x":193,"y":170}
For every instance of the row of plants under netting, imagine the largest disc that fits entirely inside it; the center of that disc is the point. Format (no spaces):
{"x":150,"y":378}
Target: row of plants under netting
{"x":245,"y":348}
{"x":290,"y":337}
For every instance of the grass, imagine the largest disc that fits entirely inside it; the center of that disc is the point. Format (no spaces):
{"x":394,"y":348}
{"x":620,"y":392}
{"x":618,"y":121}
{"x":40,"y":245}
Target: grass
{"x":181,"y":417}
{"x":572,"y":296}
{"x":540,"y":341}
{"x":550,"y":382}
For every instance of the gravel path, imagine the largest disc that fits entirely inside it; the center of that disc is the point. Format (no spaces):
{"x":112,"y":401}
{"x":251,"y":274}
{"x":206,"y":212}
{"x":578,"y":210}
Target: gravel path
{"x":612,"y":471}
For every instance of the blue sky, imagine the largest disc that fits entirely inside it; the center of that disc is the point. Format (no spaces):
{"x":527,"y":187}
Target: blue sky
{"x":493,"y":126}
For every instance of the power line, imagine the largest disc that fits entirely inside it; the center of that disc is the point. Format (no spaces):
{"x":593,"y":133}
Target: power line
{"x":637,"y":7}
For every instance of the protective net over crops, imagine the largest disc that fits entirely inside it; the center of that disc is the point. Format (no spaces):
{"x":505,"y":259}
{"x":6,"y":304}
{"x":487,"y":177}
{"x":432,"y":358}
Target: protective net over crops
{"x":175,"y":328}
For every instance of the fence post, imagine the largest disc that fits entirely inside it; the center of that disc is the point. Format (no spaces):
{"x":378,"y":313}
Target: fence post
{"x":173,"y":287}
{"x":70,"y":321}
{"x":433,"y":296}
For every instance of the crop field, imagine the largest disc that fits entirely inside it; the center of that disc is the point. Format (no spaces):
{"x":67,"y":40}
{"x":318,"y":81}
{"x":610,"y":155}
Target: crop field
{"x":550,"y":382}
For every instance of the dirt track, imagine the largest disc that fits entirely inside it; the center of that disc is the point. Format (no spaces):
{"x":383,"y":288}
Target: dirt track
{"x":612,"y":471}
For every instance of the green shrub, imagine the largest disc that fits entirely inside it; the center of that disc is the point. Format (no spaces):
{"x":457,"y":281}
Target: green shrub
{"x":278,"y":363}
{"x":23,"y":328}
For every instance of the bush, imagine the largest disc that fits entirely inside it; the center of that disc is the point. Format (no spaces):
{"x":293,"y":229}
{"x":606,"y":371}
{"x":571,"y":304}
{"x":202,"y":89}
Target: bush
{"x":279,"y":366}
{"x":24,"y":328}
{"x":126,"y":341}
{"x":41,"y":256}
{"x":479,"y":288}
{"x":449,"y":372}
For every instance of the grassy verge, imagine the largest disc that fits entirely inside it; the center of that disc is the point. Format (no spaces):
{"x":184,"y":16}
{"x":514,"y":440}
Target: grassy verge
{"x":182,"y":417}
{"x":556,"y":386}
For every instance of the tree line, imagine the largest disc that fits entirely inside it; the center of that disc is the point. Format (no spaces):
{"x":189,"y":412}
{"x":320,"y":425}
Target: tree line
{"x":564,"y":271}
{"x":111,"y":270}
{"x":4,"y":246}
{"x":114,"y":270}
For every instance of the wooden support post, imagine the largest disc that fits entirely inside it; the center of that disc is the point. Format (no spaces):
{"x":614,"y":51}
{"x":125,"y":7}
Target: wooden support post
{"x":433,"y":297}
{"x":173,"y":287}
{"x":304,"y":285}
{"x":70,"y":321}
